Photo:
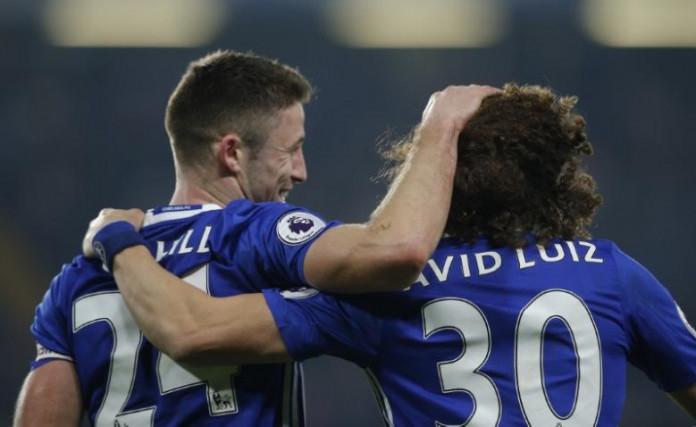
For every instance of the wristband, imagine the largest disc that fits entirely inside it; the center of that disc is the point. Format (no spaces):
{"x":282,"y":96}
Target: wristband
{"x":114,"y":238}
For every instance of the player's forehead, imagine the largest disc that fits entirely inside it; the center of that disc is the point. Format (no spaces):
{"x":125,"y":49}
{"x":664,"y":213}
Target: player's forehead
{"x":288,"y":129}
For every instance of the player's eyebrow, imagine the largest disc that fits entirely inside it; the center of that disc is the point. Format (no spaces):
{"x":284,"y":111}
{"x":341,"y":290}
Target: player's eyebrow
{"x":292,"y":147}
{"x":298,"y":143}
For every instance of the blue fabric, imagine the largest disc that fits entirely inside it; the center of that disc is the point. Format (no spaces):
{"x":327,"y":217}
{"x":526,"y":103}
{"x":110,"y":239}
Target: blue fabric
{"x":224,"y":252}
{"x":114,"y":238}
{"x":445,"y":349}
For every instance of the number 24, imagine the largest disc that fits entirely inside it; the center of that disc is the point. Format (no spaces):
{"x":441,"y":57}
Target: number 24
{"x":110,"y":307}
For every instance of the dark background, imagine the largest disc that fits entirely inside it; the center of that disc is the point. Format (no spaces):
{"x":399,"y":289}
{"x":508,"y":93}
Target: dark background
{"x":81,"y":128}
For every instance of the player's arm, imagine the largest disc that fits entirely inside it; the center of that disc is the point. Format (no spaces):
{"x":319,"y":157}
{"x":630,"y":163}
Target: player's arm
{"x":389,"y":251}
{"x":191,"y":326}
{"x":686,"y":398}
{"x":50,"y":396}
{"x":661,"y":341}
{"x":198,"y":329}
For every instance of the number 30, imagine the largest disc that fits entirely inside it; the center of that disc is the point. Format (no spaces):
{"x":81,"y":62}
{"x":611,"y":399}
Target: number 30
{"x":462,"y":374}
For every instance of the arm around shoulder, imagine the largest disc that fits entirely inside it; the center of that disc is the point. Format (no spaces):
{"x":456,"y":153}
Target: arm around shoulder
{"x":388,"y":252}
{"x":191,"y":326}
{"x":356,"y":259}
{"x":237,"y":329}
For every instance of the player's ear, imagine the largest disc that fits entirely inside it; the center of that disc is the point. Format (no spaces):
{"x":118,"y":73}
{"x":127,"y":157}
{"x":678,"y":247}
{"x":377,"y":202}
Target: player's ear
{"x":228,"y":153}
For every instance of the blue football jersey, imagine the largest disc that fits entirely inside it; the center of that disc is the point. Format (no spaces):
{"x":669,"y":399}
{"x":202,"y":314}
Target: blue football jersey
{"x":502,"y":337}
{"x":124,"y":379}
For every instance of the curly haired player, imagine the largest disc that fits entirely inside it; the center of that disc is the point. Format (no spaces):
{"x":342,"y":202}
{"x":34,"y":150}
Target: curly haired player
{"x":236,"y":127}
{"x":518,"y":318}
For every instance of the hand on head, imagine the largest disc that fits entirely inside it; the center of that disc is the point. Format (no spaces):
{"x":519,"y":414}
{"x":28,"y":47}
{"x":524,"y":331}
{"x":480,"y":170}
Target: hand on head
{"x":106,"y":217}
{"x":455,"y":105}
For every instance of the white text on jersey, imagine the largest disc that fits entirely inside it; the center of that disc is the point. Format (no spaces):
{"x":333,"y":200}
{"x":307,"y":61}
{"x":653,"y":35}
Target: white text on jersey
{"x":482,"y":263}
{"x":183,"y":245}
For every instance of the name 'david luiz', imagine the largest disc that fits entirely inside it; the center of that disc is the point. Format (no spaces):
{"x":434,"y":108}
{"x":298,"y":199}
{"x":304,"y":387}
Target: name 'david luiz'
{"x":490,"y":261}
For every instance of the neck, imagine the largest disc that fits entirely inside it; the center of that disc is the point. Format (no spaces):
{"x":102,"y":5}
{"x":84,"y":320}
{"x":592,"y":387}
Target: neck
{"x":198,"y":190}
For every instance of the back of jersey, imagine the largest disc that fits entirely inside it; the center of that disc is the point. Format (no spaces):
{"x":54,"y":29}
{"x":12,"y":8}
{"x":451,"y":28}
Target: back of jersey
{"x":534,"y":336}
{"x":497,"y":336}
{"x":125,"y":381}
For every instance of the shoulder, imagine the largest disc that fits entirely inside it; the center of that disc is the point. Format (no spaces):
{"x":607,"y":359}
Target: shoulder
{"x":621,"y":267}
{"x":244,"y":208}
{"x":627,"y":267}
{"x":290,"y":223}
{"x":76,"y":278}
{"x":79,"y":277}
{"x":640,"y":287}
{"x":80,"y":269}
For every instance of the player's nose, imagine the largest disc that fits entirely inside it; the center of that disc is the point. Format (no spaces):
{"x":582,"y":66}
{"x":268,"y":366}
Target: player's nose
{"x":299,"y":168}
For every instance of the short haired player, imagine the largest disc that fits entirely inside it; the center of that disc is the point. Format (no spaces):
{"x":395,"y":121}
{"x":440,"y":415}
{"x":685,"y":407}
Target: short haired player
{"x":518,"y":318}
{"x":236,"y":125}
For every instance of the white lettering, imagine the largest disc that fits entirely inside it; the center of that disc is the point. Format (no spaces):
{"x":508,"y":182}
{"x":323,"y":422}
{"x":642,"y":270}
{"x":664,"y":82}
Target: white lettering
{"x":466,"y":270}
{"x":172,"y":251}
{"x":422,"y":280}
{"x":590,"y":253}
{"x":522,"y":261}
{"x":482,"y":269}
{"x":184,"y":245}
{"x":441,"y":274}
{"x":203,"y":246}
{"x":160,"y":251}
{"x":184,"y":249}
{"x":559,"y":253}
{"x":573,"y":252}
{"x":491,"y":261}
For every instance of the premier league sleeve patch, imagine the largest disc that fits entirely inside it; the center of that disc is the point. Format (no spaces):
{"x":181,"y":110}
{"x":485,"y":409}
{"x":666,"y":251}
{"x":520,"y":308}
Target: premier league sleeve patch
{"x":298,"y":227}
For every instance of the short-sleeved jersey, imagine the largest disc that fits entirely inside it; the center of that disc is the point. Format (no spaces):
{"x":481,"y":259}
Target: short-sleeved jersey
{"x":124,"y":380}
{"x":501,"y":336}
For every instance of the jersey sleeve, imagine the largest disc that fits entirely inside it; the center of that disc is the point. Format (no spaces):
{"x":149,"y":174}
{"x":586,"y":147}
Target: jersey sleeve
{"x":51,"y":325}
{"x":314,"y":323}
{"x":661,"y":342}
{"x":279,"y":239}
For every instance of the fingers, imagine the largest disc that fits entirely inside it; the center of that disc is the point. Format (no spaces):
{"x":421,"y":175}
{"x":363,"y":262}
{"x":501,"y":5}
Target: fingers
{"x":107,"y":216}
{"x":456,"y":104}
{"x":429,"y":107}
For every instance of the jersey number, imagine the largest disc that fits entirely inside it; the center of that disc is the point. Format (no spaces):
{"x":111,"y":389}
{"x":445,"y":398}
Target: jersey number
{"x":462,"y":374}
{"x":110,"y":307}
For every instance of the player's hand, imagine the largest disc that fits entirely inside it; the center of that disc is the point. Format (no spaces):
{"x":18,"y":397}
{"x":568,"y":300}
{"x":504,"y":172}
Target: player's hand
{"x":106,"y":217}
{"x":455,"y":105}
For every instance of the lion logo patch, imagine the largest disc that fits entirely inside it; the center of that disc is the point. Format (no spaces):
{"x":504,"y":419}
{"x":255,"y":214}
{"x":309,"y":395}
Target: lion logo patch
{"x":296,"y":227}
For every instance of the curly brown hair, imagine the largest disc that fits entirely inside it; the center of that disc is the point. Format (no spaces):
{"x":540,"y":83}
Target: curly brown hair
{"x":519,"y":170}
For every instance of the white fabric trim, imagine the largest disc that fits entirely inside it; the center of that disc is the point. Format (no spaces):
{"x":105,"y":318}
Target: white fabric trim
{"x":44,"y":353}
{"x":382,"y":399}
{"x":152,"y":218}
{"x":293,"y":396}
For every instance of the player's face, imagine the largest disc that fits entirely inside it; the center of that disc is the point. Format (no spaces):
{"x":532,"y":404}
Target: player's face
{"x":279,"y":164}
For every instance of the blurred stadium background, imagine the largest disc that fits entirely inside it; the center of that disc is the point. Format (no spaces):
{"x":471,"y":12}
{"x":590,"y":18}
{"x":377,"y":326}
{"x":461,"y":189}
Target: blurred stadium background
{"x":84,"y":83}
